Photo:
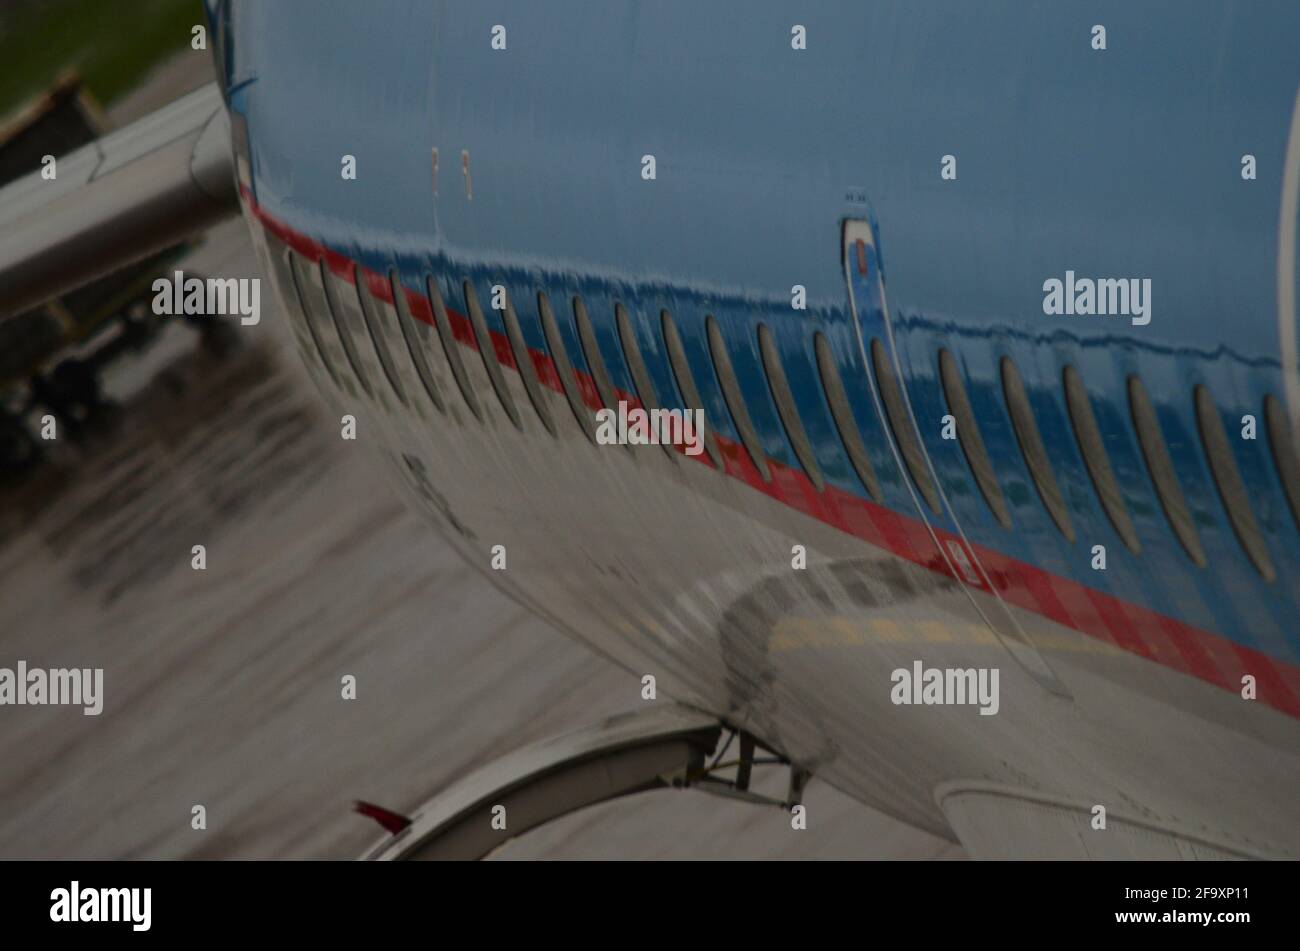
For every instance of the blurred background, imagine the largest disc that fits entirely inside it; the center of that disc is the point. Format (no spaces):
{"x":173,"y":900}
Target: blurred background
{"x":112,"y":45}
{"x":222,"y":686}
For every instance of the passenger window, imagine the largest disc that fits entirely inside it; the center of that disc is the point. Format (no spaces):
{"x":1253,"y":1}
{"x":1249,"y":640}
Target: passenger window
{"x":645,"y":390}
{"x":844,"y":418}
{"x":1032,"y":449}
{"x":1093,"y":449}
{"x":296,"y":282}
{"x":785,"y":406}
{"x":414,"y":345}
{"x":842,"y":413}
{"x":564,"y":369}
{"x":591,"y":351}
{"x":900,"y":424}
{"x":1218,"y":453}
{"x":524,"y":363}
{"x":335,"y":305}
{"x":968,"y":436}
{"x":451,"y":348}
{"x":488,"y":351}
{"x":1161,"y":469}
{"x":308,"y":280}
{"x":734,"y":399}
{"x":370,"y":316}
{"x":686,"y":381}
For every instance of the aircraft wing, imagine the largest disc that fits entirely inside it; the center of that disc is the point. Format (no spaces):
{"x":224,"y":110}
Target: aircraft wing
{"x":137,"y":190}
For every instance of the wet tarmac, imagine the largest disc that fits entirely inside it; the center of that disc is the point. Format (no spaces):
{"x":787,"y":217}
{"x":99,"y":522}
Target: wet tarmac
{"x":222,"y":686}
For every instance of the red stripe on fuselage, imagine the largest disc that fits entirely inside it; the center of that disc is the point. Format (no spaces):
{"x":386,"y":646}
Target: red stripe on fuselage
{"x":1131,"y":627}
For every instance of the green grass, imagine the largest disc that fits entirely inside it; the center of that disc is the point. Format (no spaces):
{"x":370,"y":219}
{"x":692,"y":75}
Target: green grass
{"x":110,"y":42}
